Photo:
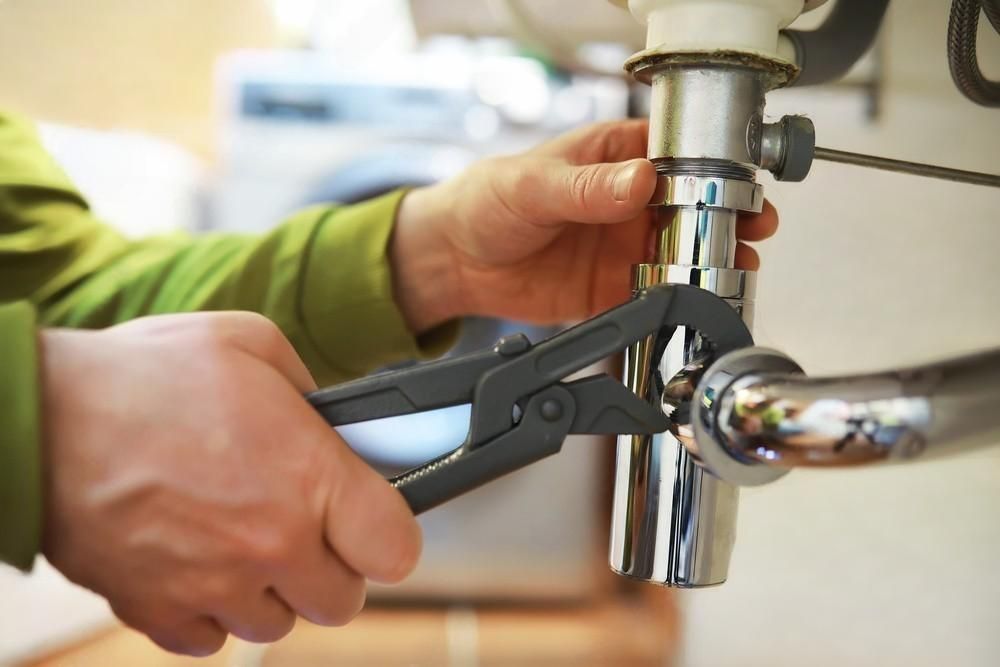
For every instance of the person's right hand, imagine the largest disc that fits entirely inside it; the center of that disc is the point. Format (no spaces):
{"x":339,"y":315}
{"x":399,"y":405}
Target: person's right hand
{"x":189,"y":483}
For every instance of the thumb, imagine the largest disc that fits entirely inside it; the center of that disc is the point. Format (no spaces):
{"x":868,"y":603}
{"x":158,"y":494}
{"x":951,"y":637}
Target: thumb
{"x":554,"y":192}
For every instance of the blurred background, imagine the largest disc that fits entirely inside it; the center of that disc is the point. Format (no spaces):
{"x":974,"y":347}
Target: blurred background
{"x":229,"y":114}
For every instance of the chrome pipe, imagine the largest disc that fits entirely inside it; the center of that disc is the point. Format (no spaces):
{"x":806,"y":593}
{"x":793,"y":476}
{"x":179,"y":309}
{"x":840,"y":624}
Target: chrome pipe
{"x":688,"y":236}
{"x":759,"y":419}
{"x":673,"y":523}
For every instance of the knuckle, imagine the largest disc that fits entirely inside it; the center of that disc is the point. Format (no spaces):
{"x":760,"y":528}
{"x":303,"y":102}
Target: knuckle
{"x":487,"y":170}
{"x":177,"y":591}
{"x":223,"y":330}
{"x":267,"y":633}
{"x":582,"y":184}
{"x":210,"y":592}
{"x":126,"y":615}
{"x":513,"y":175}
{"x":272,"y":548}
{"x":520,"y":178}
{"x":212,"y":334}
{"x":338,"y":606}
{"x":616,"y":133}
{"x":280,"y":630}
{"x":265,"y":329}
{"x":350,"y":604}
{"x":606,"y":133}
{"x":215,"y":326}
{"x":492,"y":165}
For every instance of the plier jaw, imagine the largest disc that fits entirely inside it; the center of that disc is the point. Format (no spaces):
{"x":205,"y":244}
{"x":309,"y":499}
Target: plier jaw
{"x":522,"y":409}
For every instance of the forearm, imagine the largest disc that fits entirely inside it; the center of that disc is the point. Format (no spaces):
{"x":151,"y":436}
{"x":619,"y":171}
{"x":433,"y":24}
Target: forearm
{"x":323,"y":276}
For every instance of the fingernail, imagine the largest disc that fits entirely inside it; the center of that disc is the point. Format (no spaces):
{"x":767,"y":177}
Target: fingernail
{"x":621,"y":188}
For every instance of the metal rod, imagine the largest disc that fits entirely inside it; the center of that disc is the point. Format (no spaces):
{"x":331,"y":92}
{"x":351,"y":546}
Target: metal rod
{"x":904,"y":167}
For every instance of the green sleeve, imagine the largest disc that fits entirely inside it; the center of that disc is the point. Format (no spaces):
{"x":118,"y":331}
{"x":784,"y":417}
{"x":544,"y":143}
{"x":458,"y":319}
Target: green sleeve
{"x":322,"y":276}
{"x":20,"y":473}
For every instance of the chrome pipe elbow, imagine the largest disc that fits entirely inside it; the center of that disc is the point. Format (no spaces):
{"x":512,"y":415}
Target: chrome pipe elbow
{"x":755,"y":415}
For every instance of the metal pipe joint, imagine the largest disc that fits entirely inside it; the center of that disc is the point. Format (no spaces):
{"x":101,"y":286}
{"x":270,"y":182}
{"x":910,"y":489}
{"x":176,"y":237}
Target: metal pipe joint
{"x":755,"y":415}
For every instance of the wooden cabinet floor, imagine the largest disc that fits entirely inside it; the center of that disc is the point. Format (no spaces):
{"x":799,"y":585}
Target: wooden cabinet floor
{"x":612,"y":634}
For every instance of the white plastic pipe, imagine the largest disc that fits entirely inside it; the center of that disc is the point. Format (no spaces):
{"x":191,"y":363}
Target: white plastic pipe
{"x":749,"y":26}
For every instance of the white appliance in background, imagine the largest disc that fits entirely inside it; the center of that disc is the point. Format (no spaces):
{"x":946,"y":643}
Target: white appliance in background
{"x":141,"y":185}
{"x":299,"y":128}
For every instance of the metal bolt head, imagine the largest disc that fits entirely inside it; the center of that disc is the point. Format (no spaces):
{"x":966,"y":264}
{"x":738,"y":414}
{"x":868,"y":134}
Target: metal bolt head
{"x":552,"y":410}
{"x":513,"y":345}
{"x":788,"y":148}
{"x":800,"y":146}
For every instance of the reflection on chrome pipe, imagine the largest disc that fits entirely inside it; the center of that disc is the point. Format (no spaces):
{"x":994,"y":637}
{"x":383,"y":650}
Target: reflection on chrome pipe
{"x":763,"y":419}
{"x":673,"y":523}
{"x":692,"y":237}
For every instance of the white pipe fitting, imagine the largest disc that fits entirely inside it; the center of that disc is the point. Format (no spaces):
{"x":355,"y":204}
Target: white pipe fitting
{"x":749,"y":26}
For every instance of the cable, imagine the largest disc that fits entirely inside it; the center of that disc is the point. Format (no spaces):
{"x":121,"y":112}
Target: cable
{"x":962,"y":59}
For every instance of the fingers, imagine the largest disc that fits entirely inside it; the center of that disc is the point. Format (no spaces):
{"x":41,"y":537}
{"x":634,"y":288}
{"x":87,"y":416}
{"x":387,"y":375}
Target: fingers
{"x":625,"y":140}
{"x":259,"y":617}
{"x":746,"y":257}
{"x":551,"y":192}
{"x":369,"y":524}
{"x":614,"y":141}
{"x":758,"y":227}
{"x":754,"y":228}
{"x":170,"y":627}
{"x":197,"y":637}
{"x":322,"y":589}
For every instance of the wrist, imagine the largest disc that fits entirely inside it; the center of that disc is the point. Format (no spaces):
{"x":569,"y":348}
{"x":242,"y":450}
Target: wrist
{"x":425,"y":274}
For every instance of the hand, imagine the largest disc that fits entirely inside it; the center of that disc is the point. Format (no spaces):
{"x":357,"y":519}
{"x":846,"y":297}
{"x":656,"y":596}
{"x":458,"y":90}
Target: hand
{"x":546,"y":237}
{"x":190,"y":484}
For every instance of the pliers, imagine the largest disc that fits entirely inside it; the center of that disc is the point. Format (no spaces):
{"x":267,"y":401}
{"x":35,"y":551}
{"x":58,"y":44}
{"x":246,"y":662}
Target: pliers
{"x":522,"y":409}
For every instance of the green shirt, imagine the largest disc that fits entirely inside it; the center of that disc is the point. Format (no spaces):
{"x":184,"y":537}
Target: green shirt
{"x":322,"y":276}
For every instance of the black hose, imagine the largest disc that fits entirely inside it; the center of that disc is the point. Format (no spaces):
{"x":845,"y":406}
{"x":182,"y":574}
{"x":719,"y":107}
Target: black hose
{"x":829,"y":51}
{"x":962,"y":60}
{"x":992,"y":10}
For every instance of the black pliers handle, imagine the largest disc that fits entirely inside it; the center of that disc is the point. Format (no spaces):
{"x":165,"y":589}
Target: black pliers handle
{"x":522,"y":410}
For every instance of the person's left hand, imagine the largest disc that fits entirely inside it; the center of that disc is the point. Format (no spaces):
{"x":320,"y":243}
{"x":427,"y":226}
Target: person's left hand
{"x":543,"y":237}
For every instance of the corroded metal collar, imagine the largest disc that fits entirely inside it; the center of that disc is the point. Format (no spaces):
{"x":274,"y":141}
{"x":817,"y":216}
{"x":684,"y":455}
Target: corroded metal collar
{"x":777,"y":73}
